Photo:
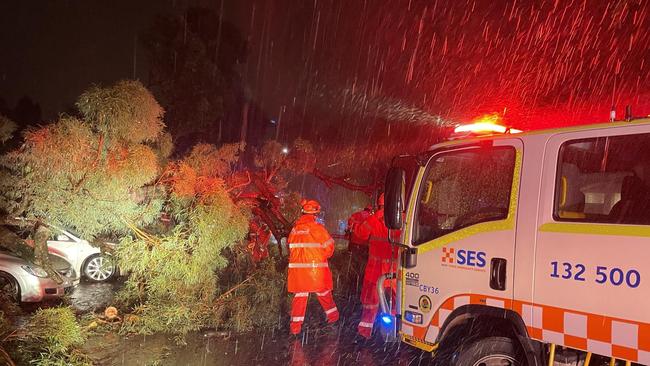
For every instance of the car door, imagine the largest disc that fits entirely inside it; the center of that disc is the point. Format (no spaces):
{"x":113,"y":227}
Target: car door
{"x":591,"y":290}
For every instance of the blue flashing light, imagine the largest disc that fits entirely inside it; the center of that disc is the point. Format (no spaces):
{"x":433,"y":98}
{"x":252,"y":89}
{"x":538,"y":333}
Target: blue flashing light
{"x":387,"y":319}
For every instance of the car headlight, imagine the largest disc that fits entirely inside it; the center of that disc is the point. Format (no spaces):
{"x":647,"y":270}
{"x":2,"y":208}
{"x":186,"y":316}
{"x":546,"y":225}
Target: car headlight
{"x":68,"y":272}
{"x":35,"y":271}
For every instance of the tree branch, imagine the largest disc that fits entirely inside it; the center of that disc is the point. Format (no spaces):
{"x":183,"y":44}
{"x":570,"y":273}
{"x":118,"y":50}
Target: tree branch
{"x":6,"y":357}
{"x":241,"y":185}
{"x":342,"y":182}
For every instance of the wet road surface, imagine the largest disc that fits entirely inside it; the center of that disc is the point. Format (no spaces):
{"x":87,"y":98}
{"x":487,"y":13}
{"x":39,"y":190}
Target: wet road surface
{"x":319,"y":344}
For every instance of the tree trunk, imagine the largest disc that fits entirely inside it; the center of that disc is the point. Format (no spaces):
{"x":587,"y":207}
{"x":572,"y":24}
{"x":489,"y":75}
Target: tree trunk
{"x":41,"y":254}
{"x":278,"y":232}
{"x":244,"y":125}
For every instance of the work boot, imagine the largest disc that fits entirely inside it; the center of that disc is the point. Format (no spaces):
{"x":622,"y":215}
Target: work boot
{"x":360,"y":340}
{"x":333,"y":318}
{"x":365,"y":332}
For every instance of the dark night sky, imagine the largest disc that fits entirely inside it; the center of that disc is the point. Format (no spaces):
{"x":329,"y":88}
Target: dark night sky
{"x":52,"y":50}
{"x":547,"y":63}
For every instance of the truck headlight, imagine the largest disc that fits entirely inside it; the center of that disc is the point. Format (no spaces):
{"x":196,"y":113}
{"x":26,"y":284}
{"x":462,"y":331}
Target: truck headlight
{"x":413,"y":317}
{"x":34,"y":271}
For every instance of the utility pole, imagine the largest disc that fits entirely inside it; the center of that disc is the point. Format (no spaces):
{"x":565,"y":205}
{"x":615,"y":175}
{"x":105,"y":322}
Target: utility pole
{"x":277,"y":127}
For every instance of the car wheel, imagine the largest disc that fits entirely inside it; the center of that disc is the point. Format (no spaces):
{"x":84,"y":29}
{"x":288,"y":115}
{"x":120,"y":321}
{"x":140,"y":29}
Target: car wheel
{"x":99,"y":268}
{"x":9,"y":287}
{"x":492,"y":351}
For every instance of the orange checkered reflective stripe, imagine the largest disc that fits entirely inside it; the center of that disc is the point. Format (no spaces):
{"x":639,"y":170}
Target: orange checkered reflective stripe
{"x":448,"y":255}
{"x":613,"y":337}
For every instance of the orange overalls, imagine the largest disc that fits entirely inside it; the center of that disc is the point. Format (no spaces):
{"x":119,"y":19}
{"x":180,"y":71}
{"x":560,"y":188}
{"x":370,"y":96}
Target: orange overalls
{"x":382,"y":259}
{"x":310,"y":245}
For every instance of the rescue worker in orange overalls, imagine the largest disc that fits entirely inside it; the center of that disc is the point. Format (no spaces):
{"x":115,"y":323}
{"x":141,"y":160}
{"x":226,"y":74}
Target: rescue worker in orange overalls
{"x":382,"y":259}
{"x":310,"y":245}
{"x":354,"y":221}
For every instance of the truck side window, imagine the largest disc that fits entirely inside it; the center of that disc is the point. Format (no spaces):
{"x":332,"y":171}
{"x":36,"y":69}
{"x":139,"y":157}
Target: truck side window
{"x":604,"y":180}
{"x":463,"y":188}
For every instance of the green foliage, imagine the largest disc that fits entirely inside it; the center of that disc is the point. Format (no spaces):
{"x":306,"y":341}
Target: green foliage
{"x":4,"y":324}
{"x":85,"y":174}
{"x":173,"y":279}
{"x":7,"y":129}
{"x":56,"y":329}
{"x":210,"y":161}
{"x":258,"y":303}
{"x":126,"y":111}
{"x":51,"y":338}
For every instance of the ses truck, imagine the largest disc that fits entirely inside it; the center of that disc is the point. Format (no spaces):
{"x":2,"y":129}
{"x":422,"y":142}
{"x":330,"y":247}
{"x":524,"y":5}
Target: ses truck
{"x":525,"y":248}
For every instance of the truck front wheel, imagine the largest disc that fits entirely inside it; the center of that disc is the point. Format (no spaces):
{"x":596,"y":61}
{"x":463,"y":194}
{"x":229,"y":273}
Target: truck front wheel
{"x":492,"y":351}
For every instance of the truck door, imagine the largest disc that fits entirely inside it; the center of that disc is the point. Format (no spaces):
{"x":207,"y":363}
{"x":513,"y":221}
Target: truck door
{"x":463,"y":226}
{"x":591,"y":288}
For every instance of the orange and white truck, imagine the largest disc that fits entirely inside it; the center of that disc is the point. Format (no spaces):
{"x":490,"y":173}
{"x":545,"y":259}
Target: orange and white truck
{"x":526,"y":248}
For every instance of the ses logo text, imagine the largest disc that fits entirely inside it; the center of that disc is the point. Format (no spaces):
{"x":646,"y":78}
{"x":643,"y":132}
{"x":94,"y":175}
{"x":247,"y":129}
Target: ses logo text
{"x":463,"y":259}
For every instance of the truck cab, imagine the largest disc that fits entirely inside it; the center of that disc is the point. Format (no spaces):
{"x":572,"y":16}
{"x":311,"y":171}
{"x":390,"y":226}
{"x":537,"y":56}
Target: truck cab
{"x":526,"y":247}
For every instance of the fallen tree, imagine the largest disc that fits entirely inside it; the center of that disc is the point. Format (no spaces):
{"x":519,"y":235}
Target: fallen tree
{"x":80,"y":172}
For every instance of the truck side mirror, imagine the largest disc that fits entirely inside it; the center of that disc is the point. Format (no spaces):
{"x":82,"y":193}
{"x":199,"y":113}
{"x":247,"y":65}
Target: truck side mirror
{"x":395,"y":198}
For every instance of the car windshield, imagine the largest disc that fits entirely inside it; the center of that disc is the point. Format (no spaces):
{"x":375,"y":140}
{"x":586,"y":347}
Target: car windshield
{"x":58,"y":230}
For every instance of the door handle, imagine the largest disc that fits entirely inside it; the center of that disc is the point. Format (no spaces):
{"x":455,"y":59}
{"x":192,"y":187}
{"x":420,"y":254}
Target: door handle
{"x":498,"y":274}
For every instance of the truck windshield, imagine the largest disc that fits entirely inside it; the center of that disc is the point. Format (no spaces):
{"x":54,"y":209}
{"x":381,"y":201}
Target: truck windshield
{"x":463,"y":188}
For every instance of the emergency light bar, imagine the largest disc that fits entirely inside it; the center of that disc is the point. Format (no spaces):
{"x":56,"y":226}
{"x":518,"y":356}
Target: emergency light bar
{"x":481,"y":127}
{"x":485,"y":125}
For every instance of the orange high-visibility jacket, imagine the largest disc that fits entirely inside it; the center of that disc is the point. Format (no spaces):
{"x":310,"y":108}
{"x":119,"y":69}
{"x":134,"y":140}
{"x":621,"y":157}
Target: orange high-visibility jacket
{"x":354,"y":221}
{"x":382,"y":257}
{"x":310,"y":245}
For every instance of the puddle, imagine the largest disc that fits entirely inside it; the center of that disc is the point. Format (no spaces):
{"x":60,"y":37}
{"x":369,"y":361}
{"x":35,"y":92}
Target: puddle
{"x":333,"y":346}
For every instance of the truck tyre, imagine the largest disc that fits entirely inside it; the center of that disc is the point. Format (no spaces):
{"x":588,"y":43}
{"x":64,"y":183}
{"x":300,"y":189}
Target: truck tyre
{"x":492,"y":351}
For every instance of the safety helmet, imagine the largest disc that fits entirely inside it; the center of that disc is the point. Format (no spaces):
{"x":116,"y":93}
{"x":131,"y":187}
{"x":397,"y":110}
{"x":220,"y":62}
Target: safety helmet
{"x":380,"y":200}
{"x":310,"y":206}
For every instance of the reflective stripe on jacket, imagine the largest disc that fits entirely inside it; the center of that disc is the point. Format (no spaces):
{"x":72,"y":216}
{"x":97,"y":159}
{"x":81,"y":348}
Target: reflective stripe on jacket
{"x":310,"y":245}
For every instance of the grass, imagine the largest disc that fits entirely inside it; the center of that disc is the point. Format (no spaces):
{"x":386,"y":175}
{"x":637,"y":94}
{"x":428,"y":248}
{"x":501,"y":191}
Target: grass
{"x":50,"y":338}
